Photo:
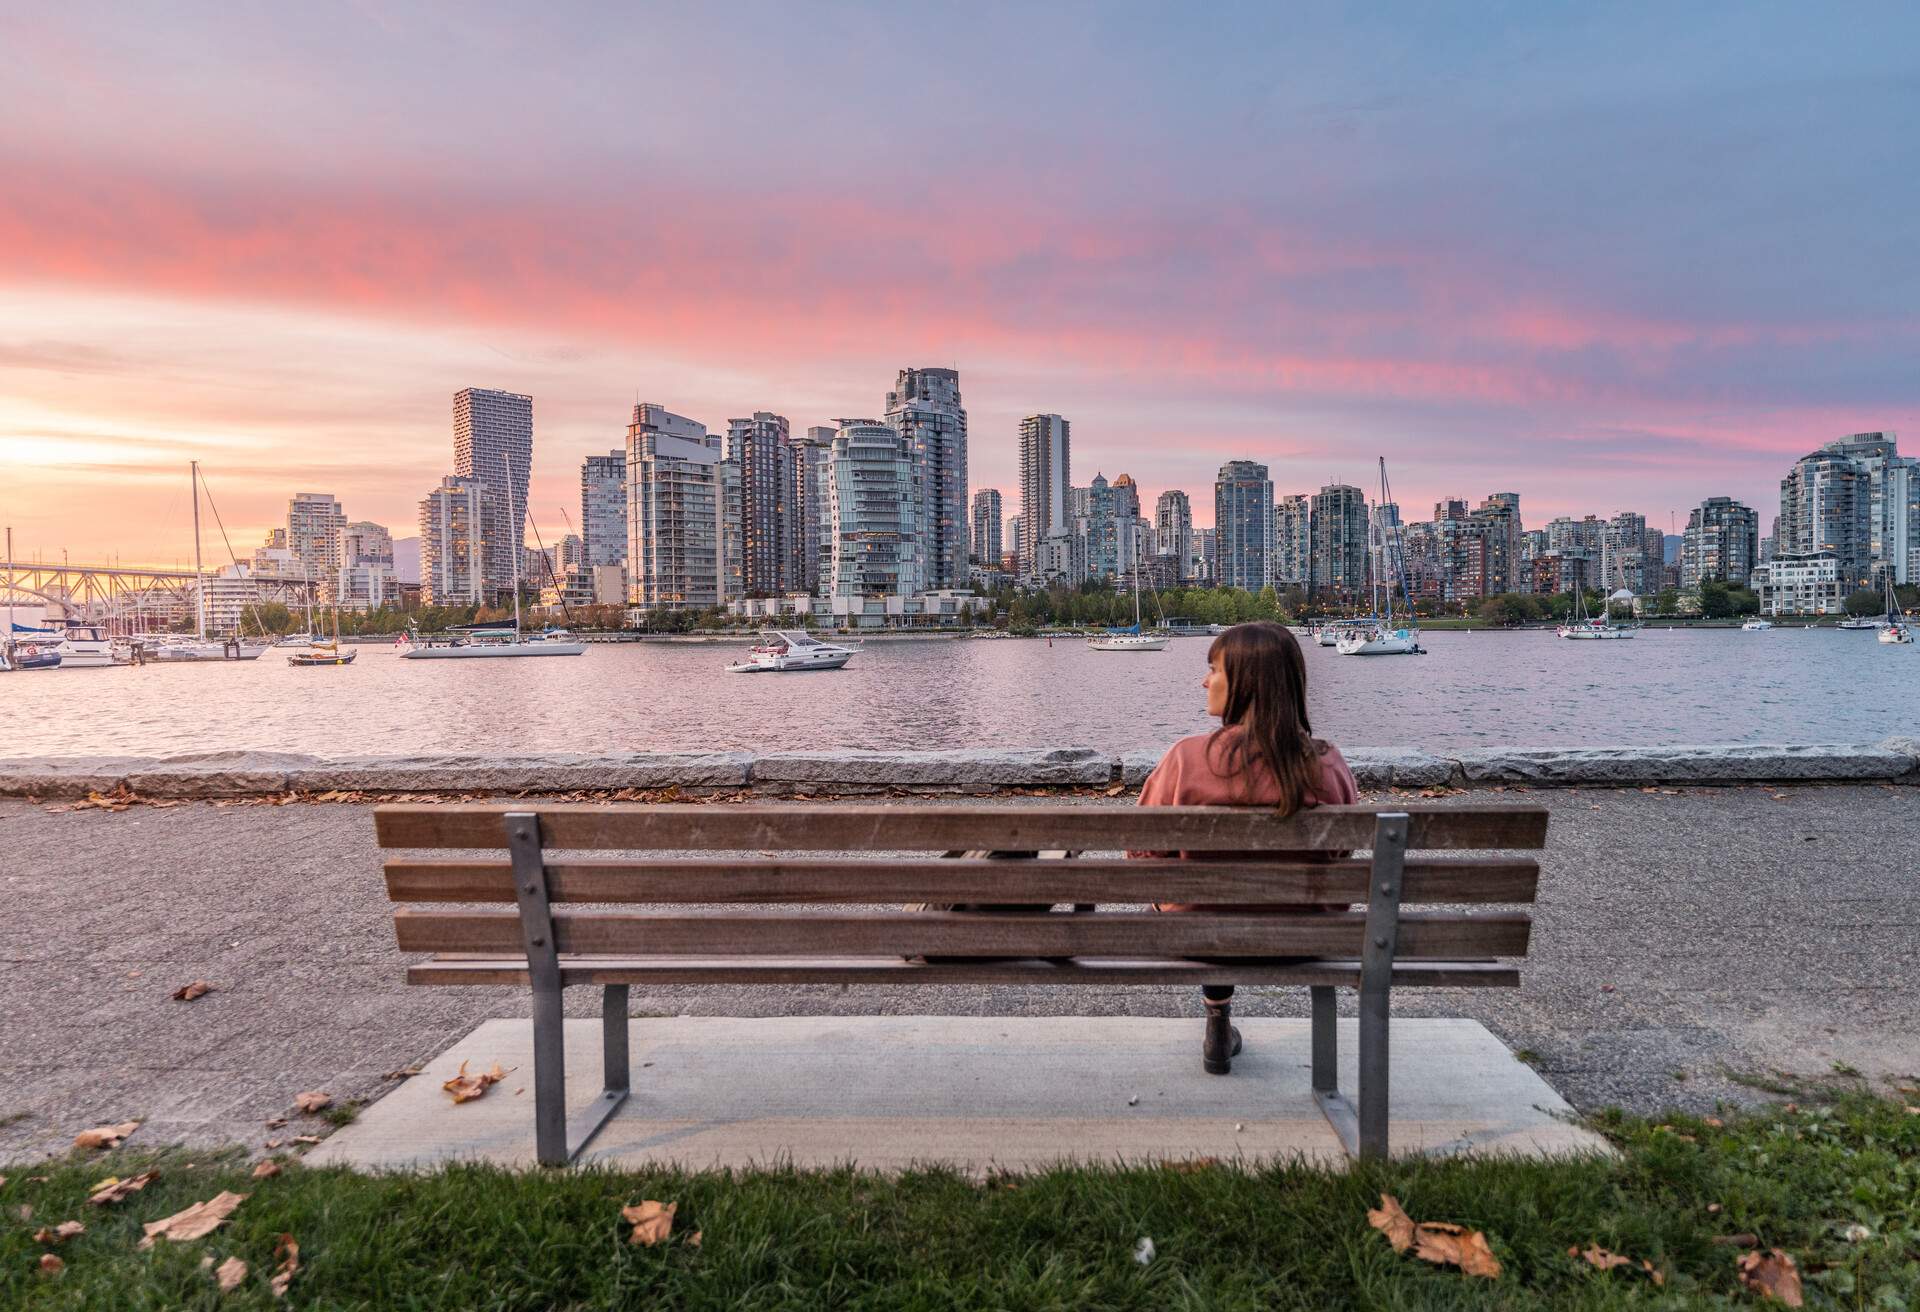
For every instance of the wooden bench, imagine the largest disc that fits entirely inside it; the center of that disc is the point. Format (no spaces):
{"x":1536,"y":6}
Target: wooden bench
{"x":755,"y":930}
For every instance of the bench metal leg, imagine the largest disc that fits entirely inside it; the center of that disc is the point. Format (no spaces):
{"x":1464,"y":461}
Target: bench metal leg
{"x":1326,"y":1040}
{"x":1363,"y":1130}
{"x":556,"y":1141}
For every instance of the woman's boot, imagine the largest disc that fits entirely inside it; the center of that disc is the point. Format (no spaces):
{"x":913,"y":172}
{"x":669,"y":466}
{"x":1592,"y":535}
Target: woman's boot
{"x":1222,"y":1043}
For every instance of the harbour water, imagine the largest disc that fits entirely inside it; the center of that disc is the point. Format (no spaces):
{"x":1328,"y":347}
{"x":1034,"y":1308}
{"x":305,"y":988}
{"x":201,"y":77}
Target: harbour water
{"x":1525,"y":689}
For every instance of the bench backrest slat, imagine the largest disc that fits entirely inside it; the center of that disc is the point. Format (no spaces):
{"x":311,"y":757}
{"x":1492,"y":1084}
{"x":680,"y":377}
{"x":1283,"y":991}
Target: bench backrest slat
{"x":837,"y":827}
{"x":825,"y":880}
{"x":1433,"y":935}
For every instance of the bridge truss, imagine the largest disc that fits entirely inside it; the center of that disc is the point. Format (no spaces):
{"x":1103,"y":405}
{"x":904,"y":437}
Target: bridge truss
{"x":136,"y":600}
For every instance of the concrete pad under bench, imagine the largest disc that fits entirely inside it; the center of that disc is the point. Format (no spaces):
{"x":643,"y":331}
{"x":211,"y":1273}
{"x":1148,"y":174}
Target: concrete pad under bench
{"x":1019,"y":1093}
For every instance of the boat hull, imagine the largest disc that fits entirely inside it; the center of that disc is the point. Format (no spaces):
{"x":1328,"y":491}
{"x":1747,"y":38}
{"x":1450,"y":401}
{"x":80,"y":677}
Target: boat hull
{"x":790,"y":666}
{"x":489,"y":650}
{"x":1596,"y":635}
{"x":1892,"y":635}
{"x":1127,"y":644}
{"x":1390,"y":644}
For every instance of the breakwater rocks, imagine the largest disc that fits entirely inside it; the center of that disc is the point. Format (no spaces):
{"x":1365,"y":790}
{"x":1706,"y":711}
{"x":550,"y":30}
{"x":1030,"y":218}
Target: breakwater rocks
{"x":973,"y":771}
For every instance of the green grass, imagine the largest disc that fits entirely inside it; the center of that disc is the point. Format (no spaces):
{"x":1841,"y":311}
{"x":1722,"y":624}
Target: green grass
{"x":1282,"y":1237}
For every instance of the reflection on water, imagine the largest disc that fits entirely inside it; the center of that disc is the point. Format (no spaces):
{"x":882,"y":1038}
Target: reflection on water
{"x":1515,"y":689}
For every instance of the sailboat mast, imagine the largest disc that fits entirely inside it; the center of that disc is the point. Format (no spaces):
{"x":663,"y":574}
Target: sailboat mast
{"x":517,"y":547}
{"x":199,"y":575}
{"x":9,"y":633}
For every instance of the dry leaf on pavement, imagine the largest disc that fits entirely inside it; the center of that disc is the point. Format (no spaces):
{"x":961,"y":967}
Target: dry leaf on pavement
{"x":693,"y":1240}
{"x":312,"y":1101}
{"x":115,"y":1190}
{"x":231,"y":1275}
{"x":51,"y":1265}
{"x":188,"y":992}
{"x":652,"y":1221}
{"x":288,"y":1252}
{"x":404,"y":1073}
{"x":58,"y":1234}
{"x":266,"y":1170}
{"x":196,"y":1222}
{"x":105,"y":1136}
{"x":306,"y":1138}
{"x":1773,"y":1274}
{"x":465,"y":1087}
{"x":1439,"y":1242}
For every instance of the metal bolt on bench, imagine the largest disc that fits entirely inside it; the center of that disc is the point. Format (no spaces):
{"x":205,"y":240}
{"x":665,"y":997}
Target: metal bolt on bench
{"x":1250,"y":927}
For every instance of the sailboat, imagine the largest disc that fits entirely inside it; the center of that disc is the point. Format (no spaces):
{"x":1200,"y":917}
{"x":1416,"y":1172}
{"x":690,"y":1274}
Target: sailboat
{"x":324,"y":653}
{"x":1130,"y":639}
{"x":200,"y":647}
{"x":1894,"y":628}
{"x":498,"y":640}
{"x":1377,"y":636}
{"x":1584,"y":626}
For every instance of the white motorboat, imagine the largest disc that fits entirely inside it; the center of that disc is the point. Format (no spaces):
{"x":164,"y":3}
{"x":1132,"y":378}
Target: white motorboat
{"x":86,"y":647}
{"x":1378,"y":635}
{"x":780,"y":652}
{"x":1862,"y":622}
{"x":1757,"y":626}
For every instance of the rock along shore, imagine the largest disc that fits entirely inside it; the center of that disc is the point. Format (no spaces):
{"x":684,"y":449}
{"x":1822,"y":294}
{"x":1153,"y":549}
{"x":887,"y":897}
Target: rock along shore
{"x":970,"y":771}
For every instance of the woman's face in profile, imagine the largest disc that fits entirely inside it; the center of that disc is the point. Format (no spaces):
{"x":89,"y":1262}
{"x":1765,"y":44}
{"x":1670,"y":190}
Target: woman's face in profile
{"x":1216,"y":685}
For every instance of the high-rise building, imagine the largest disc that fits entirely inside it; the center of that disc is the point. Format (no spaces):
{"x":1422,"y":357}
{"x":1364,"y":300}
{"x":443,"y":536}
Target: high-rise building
{"x":768,"y":524}
{"x":364,"y":579}
{"x":813,"y":468}
{"x":674,"y":511}
{"x":1206,"y":555}
{"x":1826,"y":504}
{"x":1722,"y":542}
{"x":987,"y":545}
{"x":1383,"y":526}
{"x":1292,"y":541}
{"x":876,"y":506}
{"x":1338,"y":565}
{"x":314,"y":521}
{"x":1500,"y":513}
{"x":1130,"y":540}
{"x":1243,"y":523}
{"x":924,"y":407}
{"x":1016,"y":556}
{"x":1093,"y":521}
{"x":603,"y":509}
{"x":1046,"y":479}
{"x":493,"y":442}
{"x":1173,"y":532}
{"x":1893,"y":500}
{"x":457,"y":521}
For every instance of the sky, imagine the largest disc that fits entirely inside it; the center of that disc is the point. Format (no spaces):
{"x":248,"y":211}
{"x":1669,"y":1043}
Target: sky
{"x":1616,"y":257}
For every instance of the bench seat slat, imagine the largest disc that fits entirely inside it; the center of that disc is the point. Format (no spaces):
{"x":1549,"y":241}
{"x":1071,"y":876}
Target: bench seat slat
{"x":1102,"y":934}
{"x":849,"y":827}
{"x":709,"y":880}
{"x":672,"y":970}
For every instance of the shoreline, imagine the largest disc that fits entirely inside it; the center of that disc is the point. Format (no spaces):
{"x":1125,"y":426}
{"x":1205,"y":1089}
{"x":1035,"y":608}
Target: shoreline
{"x":967,"y":772}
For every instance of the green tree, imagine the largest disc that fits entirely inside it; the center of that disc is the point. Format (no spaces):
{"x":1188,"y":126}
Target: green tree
{"x":1716,"y":600}
{"x":1866,"y":602}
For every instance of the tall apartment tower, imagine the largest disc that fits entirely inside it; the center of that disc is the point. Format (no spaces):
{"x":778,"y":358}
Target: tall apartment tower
{"x":364,"y":578}
{"x":1338,"y":566}
{"x":1131,"y":533}
{"x":1893,"y":500}
{"x":1826,"y":504}
{"x":1243,"y":523}
{"x":924,"y":408}
{"x":457,"y":522}
{"x":603,"y":509}
{"x":314,"y":521}
{"x":493,"y":442}
{"x":1046,"y":477}
{"x":1383,"y":526}
{"x":768,"y":527}
{"x":1292,"y":541}
{"x":674,"y":511}
{"x":987,"y":542}
{"x":1500,"y":512}
{"x":813,"y":468}
{"x":1173,"y":532}
{"x":877,"y":541}
{"x":1722,"y":542}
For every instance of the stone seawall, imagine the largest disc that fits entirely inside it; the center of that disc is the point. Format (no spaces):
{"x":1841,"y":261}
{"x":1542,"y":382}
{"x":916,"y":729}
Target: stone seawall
{"x":973,"y":771}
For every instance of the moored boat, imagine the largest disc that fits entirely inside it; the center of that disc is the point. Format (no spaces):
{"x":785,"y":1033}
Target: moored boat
{"x":789,"y":651}
{"x":1757,"y":625}
{"x":1378,"y":635}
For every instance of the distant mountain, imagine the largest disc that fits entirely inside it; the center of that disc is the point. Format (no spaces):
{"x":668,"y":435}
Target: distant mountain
{"x":1673,"y":549}
{"x":406,"y":559}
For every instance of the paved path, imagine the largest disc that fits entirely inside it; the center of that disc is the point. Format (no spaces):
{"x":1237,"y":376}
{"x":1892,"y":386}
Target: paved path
{"x":1678,"y":937}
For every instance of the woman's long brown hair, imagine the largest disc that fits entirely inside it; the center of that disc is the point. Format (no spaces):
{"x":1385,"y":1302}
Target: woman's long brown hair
{"x":1267,"y":699}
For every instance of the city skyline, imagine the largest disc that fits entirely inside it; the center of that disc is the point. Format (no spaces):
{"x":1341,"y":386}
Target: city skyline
{"x":1613,"y":263}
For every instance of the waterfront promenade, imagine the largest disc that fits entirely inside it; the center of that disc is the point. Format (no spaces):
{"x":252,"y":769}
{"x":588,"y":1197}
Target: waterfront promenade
{"x":1689,"y":942}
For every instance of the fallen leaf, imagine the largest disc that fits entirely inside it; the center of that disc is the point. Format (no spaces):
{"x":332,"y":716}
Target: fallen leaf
{"x":1856,"y":1234}
{"x":465,"y":1087}
{"x":105,"y":1136}
{"x":1392,"y":1221}
{"x":231,"y":1275}
{"x":652,"y":1221}
{"x":306,"y":1138}
{"x":188,"y":992}
{"x":693,"y":1240}
{"x":51,"y":1265}
{"x":3,"y":1182}
{"x":404,"y":1073}
{"x":288,"y":1253}
{"x":1713,"y":1121}
{"x":1143,"y":1252}
{"x":1116,"y":790}
{"x":1600,"y":1259}
{"x":58,"y":1234}
{"x":196,"y":1222}
{"x":312,"y":1102}
{"x":1735,"y":1241}
{"x":1713,"y":1209}
{"x":271,"y":1144}
{"x":276,"y":1122}
{"x":1445,"y":1244}
{"x":266,"y":1170}
{"x":115,"y":1190}
{"x":1772,"y":1274}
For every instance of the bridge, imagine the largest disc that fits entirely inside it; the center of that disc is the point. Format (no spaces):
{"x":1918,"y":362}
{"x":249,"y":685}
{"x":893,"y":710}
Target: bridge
{"x":139,"y":600}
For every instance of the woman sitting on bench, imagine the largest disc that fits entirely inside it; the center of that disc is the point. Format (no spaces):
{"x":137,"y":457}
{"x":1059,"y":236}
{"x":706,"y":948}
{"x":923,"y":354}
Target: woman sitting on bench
{"x":1263,"y":754}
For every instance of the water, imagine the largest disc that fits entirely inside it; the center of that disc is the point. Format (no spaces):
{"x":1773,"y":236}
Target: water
{"x":1512,"y":689}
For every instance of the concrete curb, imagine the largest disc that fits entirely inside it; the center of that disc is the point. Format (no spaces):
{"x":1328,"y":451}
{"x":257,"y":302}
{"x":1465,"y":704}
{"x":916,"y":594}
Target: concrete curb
{"x":242,"y":774}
